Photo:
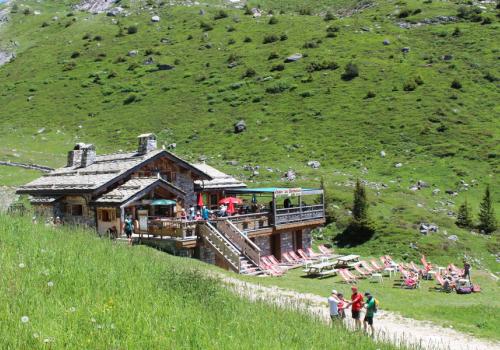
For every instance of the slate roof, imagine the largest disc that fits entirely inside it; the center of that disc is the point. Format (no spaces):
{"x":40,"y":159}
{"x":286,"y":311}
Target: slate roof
{"x":219,"y":179}
{"x":105,"y":170}
{"x":134,"y":187}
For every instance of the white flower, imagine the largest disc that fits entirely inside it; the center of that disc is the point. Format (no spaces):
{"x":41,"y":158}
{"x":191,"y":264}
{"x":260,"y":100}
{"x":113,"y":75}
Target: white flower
{"x":25,"y":319}
{"x":22,"y":265}
{"x":50,"y":284}
{"x":36,"y":335}
{"x":72,"y":309}
{"x":93,"y":320}
{"x":48,"y":340}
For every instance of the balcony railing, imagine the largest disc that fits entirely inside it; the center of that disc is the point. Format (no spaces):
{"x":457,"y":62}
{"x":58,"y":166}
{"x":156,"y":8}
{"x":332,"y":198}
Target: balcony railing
{"x":298,"y":214}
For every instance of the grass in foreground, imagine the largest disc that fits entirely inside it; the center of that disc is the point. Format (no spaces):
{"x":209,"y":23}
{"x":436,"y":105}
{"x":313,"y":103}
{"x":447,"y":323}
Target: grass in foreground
{"x":475,"y":313}
{"x":78,"y":291}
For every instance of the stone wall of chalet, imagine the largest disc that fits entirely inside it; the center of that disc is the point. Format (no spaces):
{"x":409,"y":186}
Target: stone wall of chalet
{"x":186,"y":183}
{"x":286,"y":242}
{"x":264,"y":243}
{"x":306,"y":238}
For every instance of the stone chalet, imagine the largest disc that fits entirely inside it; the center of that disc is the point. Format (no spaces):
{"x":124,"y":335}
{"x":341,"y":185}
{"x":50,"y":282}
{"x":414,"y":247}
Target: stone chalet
{"x":154,"y":185}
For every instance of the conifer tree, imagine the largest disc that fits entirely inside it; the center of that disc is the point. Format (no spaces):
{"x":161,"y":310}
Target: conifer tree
{"x":487,"y":220}
{"x":464,"y":216}
{"x":360,"y":207}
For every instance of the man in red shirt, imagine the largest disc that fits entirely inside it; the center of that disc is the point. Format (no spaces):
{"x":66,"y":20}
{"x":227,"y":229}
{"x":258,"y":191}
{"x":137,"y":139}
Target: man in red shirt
{"x":357,"y":304}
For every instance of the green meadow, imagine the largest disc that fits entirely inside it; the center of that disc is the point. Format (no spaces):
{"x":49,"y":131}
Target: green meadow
{"x":66,"y":288}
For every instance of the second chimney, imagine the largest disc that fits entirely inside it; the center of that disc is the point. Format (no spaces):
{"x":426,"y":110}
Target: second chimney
{"x":82,"y":155}
{"x":147,"y":143}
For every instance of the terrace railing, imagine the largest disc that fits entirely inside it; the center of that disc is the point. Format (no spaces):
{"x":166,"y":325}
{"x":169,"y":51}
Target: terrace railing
{"x":172,"y":227}
{"x":251,"y":222}
{"x":297,"y":214}
{"x":221,"y":244}
{"x":248,"y":248}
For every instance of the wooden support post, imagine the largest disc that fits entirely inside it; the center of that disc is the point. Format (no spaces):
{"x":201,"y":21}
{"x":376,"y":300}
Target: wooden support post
{"x":300,"y":206}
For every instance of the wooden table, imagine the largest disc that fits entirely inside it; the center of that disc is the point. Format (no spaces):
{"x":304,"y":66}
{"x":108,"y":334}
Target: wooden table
{"x":345,"y":261}
{"x":322,"y":269}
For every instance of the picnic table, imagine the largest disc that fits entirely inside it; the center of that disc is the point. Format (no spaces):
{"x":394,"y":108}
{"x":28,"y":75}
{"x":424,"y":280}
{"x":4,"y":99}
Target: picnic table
{"x":347,"y":261}
{"x":326,"y":268}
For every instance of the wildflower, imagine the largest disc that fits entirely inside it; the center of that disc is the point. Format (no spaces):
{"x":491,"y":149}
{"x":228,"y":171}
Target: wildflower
{"x":25,"y":319}
{"x":22,"y":265}
{"x":72,"y":309}
{"x":50,"y":284}
{"x":36,"y":335}
{"x":93,"y":320}
{"x":48,"y":340}
{"x":112,"y":326}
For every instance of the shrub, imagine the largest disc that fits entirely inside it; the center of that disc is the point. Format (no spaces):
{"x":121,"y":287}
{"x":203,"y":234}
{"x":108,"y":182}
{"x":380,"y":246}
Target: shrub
{"x":404,"y":13}
{"x":273,"y":20}
{"x":283,"y":37}
{"x":486,"y":20}
{"x":306,"y":94}
{"x":351,"y":71}
{"x":270,"y":38}
{"x":189,"y":37}
{"x":370,"y":94}
{"x":247,"y":39}
{"x":469,"y":12}
{"x":133,"y":66}
{"x":305,"y":11}
{"x":69,"y":66}
{"x":230,"y":29}
{"x":418,"y":80}
{"x":233,"y":57}
{"x":457,"y":32}
{"x":329,"y":16}
{"x":97,"y":38}
{"x":75,"y":54}
{"x":220,"y":15}
{"x":247,"y":11}
{"x":45,"y":24}
{"x":333,"y":29}
{"x":490,"y":77}
{"x":310,"y":45}
{"x":130,"y":99}
{"x":455,"y":84}
{"x":325,"y":65}
{"x":279,"y":67}
{"x":26,"y":11}
{"x":277,"y":88}
{"x":112,"y":74}
{"x":132,"y":29}
{"x":331,"y":35}
{"x":273,"y":56}
{"x":14,"y":8}
{"x":249,"y":73}
{"x":231,"y":41}
{"x":120,"y":59}
{"x":206,"y":26}
{"x":409,"y":86}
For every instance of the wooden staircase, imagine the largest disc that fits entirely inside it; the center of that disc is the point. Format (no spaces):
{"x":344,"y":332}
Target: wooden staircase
{"x":233,"y":253}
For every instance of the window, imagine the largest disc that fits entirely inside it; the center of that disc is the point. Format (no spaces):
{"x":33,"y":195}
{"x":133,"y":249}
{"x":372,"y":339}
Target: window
{"x":213,"y":200}
{"x":76,"y":209}
{"x":106,"y":215}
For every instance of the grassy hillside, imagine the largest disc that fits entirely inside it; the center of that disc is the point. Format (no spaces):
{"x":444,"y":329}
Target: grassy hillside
{"x":73,"y":80}
{"x":78,"y":291}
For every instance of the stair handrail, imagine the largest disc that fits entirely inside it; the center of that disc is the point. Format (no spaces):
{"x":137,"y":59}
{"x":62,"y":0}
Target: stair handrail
{"x":228,"y":250}
{"x":248,"y":248}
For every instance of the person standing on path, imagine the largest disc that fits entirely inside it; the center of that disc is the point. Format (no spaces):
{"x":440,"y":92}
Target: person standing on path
{"x":466,"y":270}
{"x":371,"y":308}
{"x":333,"y":302}
{"x":356,"y":304}
{"x":129,"y":228}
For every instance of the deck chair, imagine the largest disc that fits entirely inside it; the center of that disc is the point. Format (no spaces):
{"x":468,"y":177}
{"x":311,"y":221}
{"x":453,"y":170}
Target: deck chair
{"x":350,"y":274}
{"x":410,"y":283}
{"x":276,"y":262}
{"x":290,"y":261}
{"x":362,"y":273}
{"x":304,"y":256}
{"x":297,"y":258}
{"x":366,"y":265}
{"x":266,"y":261}
{"x":376,"y":265}
{"x":345,"y":277}
{"x":312,"y":254}
{"x":325,"y":250}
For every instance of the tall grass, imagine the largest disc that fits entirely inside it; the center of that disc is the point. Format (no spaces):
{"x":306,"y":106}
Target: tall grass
{"x":78,"y":291}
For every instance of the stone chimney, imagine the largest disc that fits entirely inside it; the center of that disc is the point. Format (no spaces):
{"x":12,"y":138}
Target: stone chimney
{"x":82,"y":155}
{"x":147,"y":143}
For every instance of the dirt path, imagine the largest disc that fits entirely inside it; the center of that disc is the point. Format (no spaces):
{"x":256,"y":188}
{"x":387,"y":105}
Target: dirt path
{"x":390,"y":326}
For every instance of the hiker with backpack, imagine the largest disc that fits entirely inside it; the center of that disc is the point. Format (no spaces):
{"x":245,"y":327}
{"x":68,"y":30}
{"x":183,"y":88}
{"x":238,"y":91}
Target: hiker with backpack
{"x":371,"y":306}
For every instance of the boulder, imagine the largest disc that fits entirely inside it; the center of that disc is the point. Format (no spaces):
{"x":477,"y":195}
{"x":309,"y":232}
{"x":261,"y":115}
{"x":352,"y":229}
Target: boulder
{"x":314,"y":164}
{"x":398,"y":165}
{"x":155,"y":19}
{"x":202,"y":12}
{"x":453,"y":238}
{"x":133,"y":53}
{"x":290,"y":175}
{"x":240,"y":127}
{"x":447,"y":57}
{"x":422,"y":184}
{"x":232,"y":162}
{"x":149,"y":61}
{"x":232,"y":64}
{"x":386,"y":42}
{"x":172,"y":146}
{"x":256,"y":12}
{"x":161,"y":66}
{"x":382,"y":153}
{"x":436,"y":191}
{"x":405,"y":49}
{"x":294,"y":57}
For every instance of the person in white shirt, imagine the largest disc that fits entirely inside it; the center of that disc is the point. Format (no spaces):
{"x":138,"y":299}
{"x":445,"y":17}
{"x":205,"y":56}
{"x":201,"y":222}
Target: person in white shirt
{"x":333,"y":302}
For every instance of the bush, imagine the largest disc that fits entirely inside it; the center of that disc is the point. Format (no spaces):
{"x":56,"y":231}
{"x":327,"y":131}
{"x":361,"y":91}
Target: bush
{"x":486,"y":20}
{"x":231,"y":41}
{"x":310,"y":45}
{"x":97,"y":38}
{"x":231,"y":29}
{"x":325,"y":65}
{"x":455,"y":84}
{"x":273,"y":20}
{"x":333,"y":29}
{"x":69,"y":66}
{"x":189,"y":37}
{"x":283,"y":37}
{"x":305,"y":11}
{"x":490,"y":77}
{"x":409,"y":86}
{"x":329,"y":16}
{"x":232,"y":57}
{"x":45,"y":24}
{"x":206,"y":26}
{"x":247,"y":39}
{"x":404,"y":13}
{"x":331,"y":35}
{"x":132,"y":29}
{"x":279,"y":67}
{"x":133,"y":66}
{"x":351,"y":71}
{"x":75,"y":54}
{"x":112,"y":74}
{"x":249,"y":73}
{"x":370,"y":94}
{"x":26,"y":11}
{"x":273,"y":56}
{"x":457,"y":32}
{"x":278,"y":88}
{"x":418,"y":80}
{"x":120,"y":59}
{"x":130,"y":99}
{"x":270,"y":38}
{"x":220,"y":15}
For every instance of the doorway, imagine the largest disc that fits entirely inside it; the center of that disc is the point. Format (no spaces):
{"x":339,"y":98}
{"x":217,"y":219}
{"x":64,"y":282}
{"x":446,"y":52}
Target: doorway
{"x":276,"y":245}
